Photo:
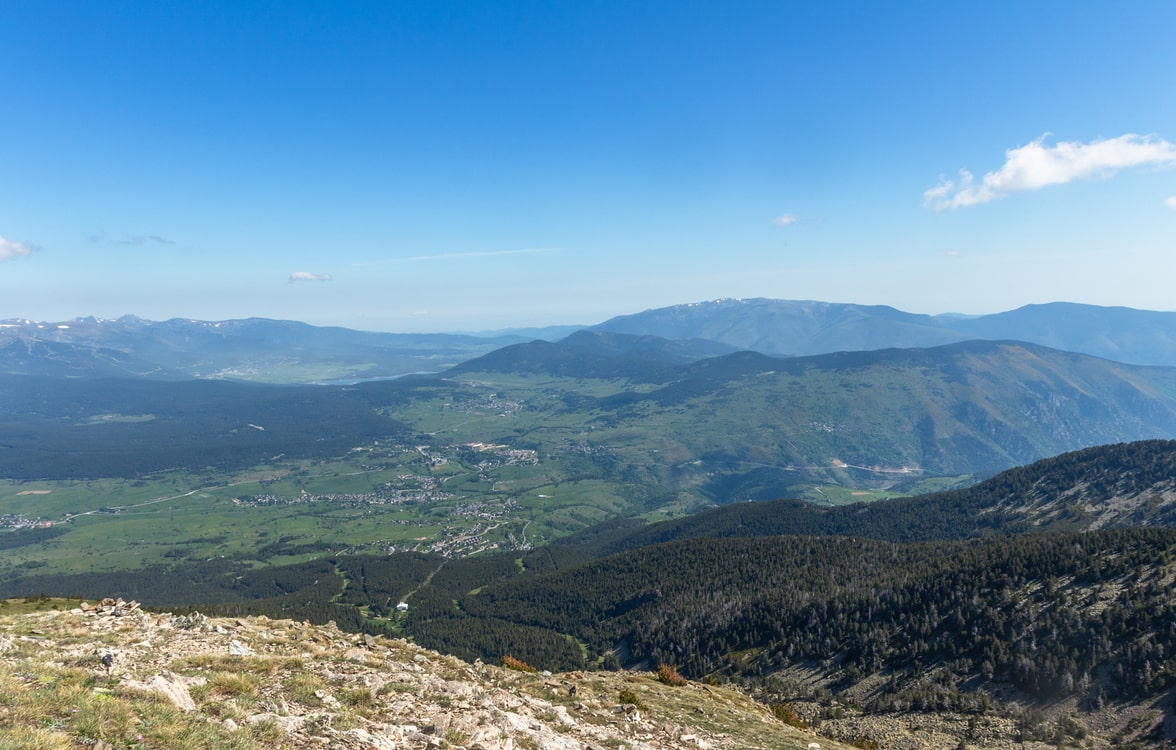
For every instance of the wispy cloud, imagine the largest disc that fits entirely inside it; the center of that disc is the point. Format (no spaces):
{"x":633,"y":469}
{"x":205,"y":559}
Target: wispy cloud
{"x":462,"y":256}
{"x":134,"y":239}
{"x":1170,"y":201}
{"x":149,"y":239}
{"x":480,"y":254}
{"x":12,"y":249}
{"x":1038,"y":165}
{"x":785,"y":220}
{"x":308,"y":276}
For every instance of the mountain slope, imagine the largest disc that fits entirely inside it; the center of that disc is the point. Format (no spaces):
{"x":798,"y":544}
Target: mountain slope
{"x":595,"y":354}
{"x":891,"y":415}
{"x":109,"y":675}
{"x":806,"y":327}
{"x":1118,"y":333}
{"x":1044,"y":617}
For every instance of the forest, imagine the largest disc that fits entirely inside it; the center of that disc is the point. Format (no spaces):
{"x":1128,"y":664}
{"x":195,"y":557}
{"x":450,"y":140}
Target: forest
{"x":82,"y":429}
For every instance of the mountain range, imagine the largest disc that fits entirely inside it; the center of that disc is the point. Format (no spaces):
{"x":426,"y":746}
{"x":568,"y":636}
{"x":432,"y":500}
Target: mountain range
{"x":787,"y":328}
{"x":251,"y":349}
{"x":288,"y":351}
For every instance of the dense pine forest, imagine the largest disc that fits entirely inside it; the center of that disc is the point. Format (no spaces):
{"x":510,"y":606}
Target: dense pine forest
{"x":131,"y":428}
{"x":1043,"y":613}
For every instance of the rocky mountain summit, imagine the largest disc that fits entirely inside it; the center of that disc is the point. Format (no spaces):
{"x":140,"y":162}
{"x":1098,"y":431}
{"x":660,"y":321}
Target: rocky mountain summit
{"x":111,"y":675}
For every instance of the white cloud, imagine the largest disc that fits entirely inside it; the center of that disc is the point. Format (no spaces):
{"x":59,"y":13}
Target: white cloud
{"x":13,"y":249}
{"x":1170,"y":201}
{"x":1037,"y":165}
{"x":785,"y":220}
{"x":308,"y":276}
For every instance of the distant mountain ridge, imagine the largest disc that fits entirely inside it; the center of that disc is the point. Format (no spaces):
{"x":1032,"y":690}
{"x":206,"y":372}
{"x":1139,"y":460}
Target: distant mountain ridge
{"x":293,"y":352}
{"x":795,"y":328}
{"x":248,"y":349}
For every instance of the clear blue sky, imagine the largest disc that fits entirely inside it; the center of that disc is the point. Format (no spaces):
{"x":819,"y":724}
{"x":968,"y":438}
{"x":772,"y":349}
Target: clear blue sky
{"x":442,"y":166}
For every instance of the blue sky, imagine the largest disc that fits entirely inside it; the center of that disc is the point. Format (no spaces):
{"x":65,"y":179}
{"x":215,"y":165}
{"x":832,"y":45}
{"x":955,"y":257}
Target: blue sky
{"x":443,"y":166}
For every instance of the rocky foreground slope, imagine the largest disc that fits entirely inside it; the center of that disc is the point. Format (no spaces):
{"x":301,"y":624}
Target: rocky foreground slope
{"x":111,"y":675}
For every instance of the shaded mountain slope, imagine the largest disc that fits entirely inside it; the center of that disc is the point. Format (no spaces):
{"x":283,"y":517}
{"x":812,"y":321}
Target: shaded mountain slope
{"x":1049,"y":615}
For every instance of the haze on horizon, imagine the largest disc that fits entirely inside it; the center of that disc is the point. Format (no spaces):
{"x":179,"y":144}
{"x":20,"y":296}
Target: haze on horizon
{"x":471,"y":166}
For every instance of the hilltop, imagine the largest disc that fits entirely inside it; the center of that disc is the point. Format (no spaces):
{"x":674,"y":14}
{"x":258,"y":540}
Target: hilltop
{"x":112,"y":675}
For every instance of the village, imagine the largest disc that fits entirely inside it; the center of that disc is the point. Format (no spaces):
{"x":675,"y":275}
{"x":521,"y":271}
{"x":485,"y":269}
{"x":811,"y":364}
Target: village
{"x":425,"y":490}
{"x":17,"y":521}
{"x":471,"y":517}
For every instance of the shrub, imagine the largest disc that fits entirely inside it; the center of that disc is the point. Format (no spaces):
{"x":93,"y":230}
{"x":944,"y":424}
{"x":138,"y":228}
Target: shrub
{"x":786,"y":714}
{"x":670,"y":676}
{"x":518,"y":665}
{"x":627,"y":696}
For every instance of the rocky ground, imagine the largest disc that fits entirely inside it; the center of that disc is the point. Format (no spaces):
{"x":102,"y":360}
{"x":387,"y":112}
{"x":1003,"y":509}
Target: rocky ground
{"x":110,"y":675}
